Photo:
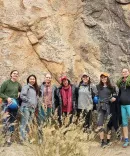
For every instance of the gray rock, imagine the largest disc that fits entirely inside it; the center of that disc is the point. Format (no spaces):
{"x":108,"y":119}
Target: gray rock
{"x":111,"y":32}
{"x":71,"y":36}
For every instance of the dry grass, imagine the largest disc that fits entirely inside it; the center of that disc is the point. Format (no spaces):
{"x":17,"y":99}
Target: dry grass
{"x":65,"y":141}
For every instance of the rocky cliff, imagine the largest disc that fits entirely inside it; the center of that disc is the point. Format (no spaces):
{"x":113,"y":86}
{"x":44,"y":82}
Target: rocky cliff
{"x":64,"y":36}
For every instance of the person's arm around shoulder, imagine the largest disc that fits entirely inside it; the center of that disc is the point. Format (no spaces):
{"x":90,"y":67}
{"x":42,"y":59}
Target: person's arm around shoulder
{"x":24,"y":92}
{"x":74,"y":99}
{"x":20,"y":87}
{"x":114,"y":94}
{"x":41,"y":90}
{"x":94,"y":89}
{"x":76,"y":95}
{"x":54,"y":98}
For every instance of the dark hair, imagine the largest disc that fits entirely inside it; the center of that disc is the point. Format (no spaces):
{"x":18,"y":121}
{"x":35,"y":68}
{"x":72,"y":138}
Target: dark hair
{"x":89,"y":81}
{"x":81,"y":82}
{"x":108,"y":83}
{"x":13,"y":71}
{"x":68,"y":82}
{"x":35,"y":84}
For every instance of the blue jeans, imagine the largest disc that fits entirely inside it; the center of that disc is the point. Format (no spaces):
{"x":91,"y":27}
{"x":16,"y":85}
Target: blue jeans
{"x":26,"y":120}
{"x":47,"y":113}
{"x":125,"y":112}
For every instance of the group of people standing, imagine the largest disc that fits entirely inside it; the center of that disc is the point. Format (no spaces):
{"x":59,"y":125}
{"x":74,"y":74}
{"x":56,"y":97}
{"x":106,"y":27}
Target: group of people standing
{"x":68,"y":99}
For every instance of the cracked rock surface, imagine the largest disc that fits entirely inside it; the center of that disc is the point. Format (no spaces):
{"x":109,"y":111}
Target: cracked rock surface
{"x":64,"y":36}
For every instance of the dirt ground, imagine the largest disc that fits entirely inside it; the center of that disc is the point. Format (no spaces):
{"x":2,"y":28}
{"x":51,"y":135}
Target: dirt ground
{"x":114,"y":150}
{"x":94,"y":150}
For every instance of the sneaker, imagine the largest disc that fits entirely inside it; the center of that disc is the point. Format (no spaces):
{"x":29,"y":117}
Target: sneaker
{"x":103,"y":144}
{"x":126,"y":144}
{"x":9,"y":144}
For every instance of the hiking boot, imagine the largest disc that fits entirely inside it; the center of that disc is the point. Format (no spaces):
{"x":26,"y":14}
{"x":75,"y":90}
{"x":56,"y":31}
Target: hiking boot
{"x":127,"y":143}
{"x":103,"y":144}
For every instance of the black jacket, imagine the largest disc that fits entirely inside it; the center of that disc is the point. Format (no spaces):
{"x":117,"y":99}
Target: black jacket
{"x":115,"y":111}
{"x":124,"y":94}
{"x":60,"y":101}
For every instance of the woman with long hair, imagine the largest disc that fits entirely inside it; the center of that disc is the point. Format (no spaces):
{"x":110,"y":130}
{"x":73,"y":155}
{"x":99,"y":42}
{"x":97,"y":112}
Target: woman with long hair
{"x":106,"y":93}
{"x":28,"y":95}
{"x":85,"y":92}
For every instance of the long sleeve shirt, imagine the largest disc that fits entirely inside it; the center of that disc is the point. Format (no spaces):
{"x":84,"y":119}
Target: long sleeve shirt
{"x":9,"y":89}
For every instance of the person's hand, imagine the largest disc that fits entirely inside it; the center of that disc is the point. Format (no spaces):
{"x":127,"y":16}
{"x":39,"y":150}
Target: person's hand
{"x":9,"y":100}
{"x":113,"y":99}
{"x":45,"y":107}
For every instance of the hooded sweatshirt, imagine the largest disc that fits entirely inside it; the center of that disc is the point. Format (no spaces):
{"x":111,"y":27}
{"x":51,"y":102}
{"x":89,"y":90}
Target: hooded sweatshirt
{"x":28,"y":96}
{"x":85,"y":96}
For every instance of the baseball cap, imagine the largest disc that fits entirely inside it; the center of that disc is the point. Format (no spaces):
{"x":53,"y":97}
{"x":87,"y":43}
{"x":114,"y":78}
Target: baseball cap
{"x":63,"y":78}
{"x":84,"y":74}
{"x":104,"y":74}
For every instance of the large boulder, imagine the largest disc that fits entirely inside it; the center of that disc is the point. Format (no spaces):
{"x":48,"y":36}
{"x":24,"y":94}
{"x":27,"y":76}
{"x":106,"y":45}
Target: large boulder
{"x":64,"y":37}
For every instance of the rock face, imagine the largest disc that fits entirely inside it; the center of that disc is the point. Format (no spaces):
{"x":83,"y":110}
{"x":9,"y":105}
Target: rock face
{"x":68,"y":36}
{"x":123,"y":1}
